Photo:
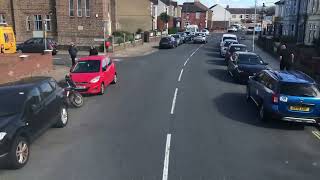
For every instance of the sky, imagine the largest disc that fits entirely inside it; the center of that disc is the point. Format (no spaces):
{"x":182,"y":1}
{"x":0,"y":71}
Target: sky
{"x":233,"y":3}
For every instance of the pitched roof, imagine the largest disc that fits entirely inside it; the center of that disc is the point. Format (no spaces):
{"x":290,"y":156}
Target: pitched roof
{"x":194,"y":7}
{"x":241,"y":10}
{"x":213,"y":6}
{"x":170,"y":2}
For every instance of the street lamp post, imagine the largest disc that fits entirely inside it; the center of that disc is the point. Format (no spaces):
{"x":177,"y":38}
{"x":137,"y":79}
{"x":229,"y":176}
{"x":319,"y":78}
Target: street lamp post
{"x":255,"y":21}
{"x":262,"y":17}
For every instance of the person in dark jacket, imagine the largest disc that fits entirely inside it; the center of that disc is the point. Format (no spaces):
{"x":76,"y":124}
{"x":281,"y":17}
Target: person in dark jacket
{"x":93,"y":51}
{"x":73,"y":51}
{"x":286,"y":58}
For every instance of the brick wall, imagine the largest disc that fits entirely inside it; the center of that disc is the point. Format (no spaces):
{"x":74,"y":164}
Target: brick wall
{"x":13,"y":68}
{"x":81,"y":30}
{"x":134,"y":14}
{"x":5,"y":9}
{"x":28,"y":8}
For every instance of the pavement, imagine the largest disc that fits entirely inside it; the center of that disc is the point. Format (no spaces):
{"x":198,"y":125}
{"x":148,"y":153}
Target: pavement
{"x":174,"y":115}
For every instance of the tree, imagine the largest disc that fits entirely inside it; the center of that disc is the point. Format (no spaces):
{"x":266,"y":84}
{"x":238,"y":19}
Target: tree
{"x":164,"y":17}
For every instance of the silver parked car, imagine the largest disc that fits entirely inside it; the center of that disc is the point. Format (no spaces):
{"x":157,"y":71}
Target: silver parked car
{"x":200,"y":38}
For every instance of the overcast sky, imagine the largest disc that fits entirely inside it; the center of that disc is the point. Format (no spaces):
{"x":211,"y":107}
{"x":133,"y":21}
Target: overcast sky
{"x":233,"y":3}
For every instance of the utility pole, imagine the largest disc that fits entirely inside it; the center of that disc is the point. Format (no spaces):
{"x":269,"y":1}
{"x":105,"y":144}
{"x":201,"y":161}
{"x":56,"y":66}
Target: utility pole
{"x":255,"y":21}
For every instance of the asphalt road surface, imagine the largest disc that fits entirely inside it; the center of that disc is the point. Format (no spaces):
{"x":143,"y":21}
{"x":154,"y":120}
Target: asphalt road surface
{"x":174,"y":115}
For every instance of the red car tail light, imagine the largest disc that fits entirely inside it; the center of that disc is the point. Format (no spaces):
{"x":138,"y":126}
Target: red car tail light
{"x":275,"y":99}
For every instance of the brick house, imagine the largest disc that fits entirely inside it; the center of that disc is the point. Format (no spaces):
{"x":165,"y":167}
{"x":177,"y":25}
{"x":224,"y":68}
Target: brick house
{"x":82,"y":21}
{"x":79,"y":21}
{"x":28,"y":17}
{"x":133,"y":15}
{"x":196,"y":13}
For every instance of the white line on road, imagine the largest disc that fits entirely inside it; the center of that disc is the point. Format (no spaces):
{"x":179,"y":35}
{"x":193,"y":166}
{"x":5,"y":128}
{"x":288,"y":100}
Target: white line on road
{"x":185,"y":63}
{"x":166,"y":158}
{"x":174,"y":101}
{"x":179,"y":79}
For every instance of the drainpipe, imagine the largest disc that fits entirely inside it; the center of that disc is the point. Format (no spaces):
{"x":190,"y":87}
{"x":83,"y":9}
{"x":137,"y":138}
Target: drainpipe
{"x":13,"y":17}
{"x":297,"y":23}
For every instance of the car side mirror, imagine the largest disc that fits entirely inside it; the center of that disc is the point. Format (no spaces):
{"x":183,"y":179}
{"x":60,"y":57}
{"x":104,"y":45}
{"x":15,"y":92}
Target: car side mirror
{"x":104,"y":69}
{"x":265,"y":63}
{"x":34,"y":107}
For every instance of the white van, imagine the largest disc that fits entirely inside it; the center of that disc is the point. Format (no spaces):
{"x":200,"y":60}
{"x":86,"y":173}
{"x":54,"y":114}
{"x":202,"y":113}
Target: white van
{"x":227,"y":36}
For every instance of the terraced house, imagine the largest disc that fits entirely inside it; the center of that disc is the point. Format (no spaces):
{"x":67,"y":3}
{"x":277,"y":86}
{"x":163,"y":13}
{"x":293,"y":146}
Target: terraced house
{"x":79,"y":21}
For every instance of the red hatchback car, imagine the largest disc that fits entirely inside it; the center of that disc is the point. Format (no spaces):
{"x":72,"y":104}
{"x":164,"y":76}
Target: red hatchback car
{"x":93,"y":73}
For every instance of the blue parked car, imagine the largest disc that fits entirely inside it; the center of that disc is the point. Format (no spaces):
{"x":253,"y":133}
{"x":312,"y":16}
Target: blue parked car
{"x":285,"y":95}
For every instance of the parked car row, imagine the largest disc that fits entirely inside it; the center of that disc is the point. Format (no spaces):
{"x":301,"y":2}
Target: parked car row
{"x":175,"y":40}
{"x":282,"y":95}
{"x":30,"y":106}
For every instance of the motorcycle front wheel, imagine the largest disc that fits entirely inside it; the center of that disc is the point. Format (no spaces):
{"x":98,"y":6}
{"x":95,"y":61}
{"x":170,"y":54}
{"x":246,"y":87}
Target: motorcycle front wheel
{"x":76,"y":99}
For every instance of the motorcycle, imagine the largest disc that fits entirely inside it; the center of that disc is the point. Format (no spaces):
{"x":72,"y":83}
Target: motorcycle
{"x":74,"y":98}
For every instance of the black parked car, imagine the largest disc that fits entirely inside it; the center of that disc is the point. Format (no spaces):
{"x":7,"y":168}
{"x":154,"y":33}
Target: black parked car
{"x":244,"y":64}
{"x":168,"y":42}
{"x":37,"y":45}
{"x":27,"y":108}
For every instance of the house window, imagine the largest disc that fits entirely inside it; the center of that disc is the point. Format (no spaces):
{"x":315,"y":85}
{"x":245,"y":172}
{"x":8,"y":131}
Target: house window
{"x":71,"y":8}
{"x":247,"y":16}
{"x":241,"y":16}
{"x":38,"y":23}
{"x":2,"y":18}
{"x":292,"y":27}
{"x":197,"y":15}
{"x":79,"y":9}
{"x":234,"y":16}
{"x":48,"y":22}
{"x":87,"y":8}
{"x":28,"y":23}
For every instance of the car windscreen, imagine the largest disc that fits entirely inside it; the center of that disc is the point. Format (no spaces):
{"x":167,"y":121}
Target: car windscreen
{"x":11,"y":102}
{"x":238,"y":48}
{"x":90,"y":66}
{"x":249,"y":59}
{"x":227,"y":43}
{"x":250,"y":27}
{"x":299,"y":89}
{"x":233,"y":38}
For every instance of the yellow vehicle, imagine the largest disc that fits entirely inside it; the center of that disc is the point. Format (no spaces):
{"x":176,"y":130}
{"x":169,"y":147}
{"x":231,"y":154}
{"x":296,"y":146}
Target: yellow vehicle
{"x":7,"y":39}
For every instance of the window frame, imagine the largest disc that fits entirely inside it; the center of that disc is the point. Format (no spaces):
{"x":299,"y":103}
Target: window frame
{"x":38,"y":24}
{"x":28,"y":24}
{"x":39,"y":96}
{"x":79,"y":8}
{"x":71,"y":8}
{"x":87,"y":10}
{"x":2,"y":18}
{"x":48,"y":22}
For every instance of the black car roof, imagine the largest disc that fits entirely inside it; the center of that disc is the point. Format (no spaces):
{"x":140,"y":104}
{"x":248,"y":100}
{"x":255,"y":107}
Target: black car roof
{"x":238,"y":45}
{"x":25,"y":83}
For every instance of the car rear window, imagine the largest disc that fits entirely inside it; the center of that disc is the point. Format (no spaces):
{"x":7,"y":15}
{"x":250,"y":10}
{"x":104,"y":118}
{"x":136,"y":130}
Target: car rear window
{"x":299,"y":89}
{"x":227,"y":43}
{"x":233,"y":38}
{"x":165,"y":39}
{"x":238,"y":48}
{"x":249,"y":59}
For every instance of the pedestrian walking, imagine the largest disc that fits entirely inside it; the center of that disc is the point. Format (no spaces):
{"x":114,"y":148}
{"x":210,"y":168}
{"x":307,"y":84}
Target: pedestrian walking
{"x":73,"y":51}
{"x":286,"y":58}
{"x":93,"y":51}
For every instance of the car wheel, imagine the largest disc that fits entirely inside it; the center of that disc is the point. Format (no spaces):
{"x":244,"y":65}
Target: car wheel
{"x":115,"y":79}
{"x":63,"y":117}
{"x":262,"y":114}
{"x":19,"y":153}
{"x":102,"y":89}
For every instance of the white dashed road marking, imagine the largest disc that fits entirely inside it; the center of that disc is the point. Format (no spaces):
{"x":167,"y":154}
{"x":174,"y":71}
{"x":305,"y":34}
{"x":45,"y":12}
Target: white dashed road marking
{"x":174,"y":101}
{"x":181,"y":72}
{"x":166,"y":158}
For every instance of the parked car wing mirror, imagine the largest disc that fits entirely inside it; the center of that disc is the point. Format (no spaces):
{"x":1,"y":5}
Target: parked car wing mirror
{"x":264,"y":63}
{"x":104,"y":69}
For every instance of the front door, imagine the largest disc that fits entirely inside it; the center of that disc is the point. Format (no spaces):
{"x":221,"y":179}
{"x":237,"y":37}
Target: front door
{"x":49,"y":102}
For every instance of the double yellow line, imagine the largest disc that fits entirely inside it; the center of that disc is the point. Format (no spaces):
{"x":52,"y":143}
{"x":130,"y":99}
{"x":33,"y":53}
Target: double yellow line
{"x":316,"y":133}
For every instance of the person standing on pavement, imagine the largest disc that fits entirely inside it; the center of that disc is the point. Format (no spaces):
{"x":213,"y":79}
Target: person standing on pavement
{"x":73,"y":51}
{"x":93,"y":51}
{"x":286,"y":58}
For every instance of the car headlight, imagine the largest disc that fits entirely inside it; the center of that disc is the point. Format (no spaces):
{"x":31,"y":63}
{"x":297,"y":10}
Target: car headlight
{"x":95,"y":80}
{"x":2,"y":135}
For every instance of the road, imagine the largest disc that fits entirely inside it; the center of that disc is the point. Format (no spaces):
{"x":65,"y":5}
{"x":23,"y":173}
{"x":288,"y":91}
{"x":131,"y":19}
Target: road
{"x":164,"y":123}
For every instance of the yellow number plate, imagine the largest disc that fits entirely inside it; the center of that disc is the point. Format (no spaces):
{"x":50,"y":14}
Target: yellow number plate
{"x":299,"y":108}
